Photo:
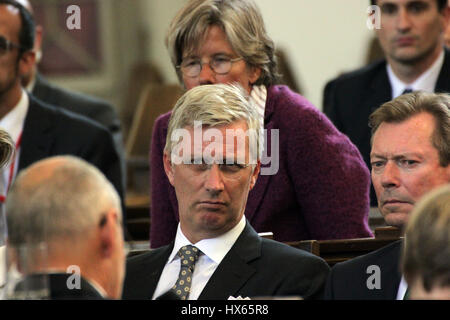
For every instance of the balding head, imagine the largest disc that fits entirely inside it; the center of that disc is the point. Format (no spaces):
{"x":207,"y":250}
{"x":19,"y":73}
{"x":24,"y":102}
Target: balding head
{"x":59,"y":197}
{"x":65,"y":202}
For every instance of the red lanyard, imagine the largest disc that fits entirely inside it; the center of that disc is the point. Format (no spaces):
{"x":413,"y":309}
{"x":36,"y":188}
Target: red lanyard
{"x":11,"y":169}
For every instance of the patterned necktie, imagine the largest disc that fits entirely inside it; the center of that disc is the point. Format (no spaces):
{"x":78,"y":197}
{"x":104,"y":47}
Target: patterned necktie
{"x":189,"y":256}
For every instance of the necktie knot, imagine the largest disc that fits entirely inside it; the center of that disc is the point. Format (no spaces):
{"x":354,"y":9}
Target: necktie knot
{"x":407,"y":90}
{"x":189,"y":256}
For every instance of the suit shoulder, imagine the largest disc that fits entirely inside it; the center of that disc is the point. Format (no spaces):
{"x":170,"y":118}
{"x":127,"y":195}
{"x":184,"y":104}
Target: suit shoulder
{"x":139,"y":261}
{"x":377,"y":257}
{"x":359,"y":76}
{"x":62,"y":96}
{"x":288,"y":254}
{"x":64,"y":118}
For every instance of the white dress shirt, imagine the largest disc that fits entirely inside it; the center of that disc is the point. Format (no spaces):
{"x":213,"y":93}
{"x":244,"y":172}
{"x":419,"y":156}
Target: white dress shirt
{"x":214,"y":250}
{"x":13,"y":123}
{"x":402,"y":289}
{"x":426,"y":82}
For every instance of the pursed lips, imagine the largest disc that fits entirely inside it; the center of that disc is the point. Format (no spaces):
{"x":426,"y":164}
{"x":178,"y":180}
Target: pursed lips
{"x":394,"y":201}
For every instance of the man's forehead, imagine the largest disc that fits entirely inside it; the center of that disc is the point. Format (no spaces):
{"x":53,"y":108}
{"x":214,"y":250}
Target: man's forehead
{"x":409,"y":136}
{"x":10,"y":21}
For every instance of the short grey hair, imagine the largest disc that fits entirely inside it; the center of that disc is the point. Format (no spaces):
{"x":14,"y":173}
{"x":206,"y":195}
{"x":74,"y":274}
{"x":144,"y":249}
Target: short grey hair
{"x":64,"y":206}
{"x":7,"y":148}
{"x":408,"y":105}
{"x":243,"y":25}
{"x":215,"y":105}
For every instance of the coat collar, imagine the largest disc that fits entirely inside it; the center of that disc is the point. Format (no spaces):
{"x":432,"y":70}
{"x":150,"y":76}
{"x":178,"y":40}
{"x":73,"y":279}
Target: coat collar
{"x":443,"y":82}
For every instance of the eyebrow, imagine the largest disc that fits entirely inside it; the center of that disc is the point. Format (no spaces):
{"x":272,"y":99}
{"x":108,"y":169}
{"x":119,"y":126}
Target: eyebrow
{"x":397,"y":157}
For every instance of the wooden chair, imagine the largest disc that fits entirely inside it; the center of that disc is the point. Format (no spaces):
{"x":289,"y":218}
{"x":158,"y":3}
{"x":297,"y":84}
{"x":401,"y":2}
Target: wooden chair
{"x":141,"y":74}
{"x":155,"y":100}
{"x":334,"y":251}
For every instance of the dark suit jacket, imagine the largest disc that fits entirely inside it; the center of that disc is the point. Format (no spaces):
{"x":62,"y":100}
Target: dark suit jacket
{"x":88,"y":106}
{"x":253,"y":267}
{"x":50,"y":131}
{"x":348,"y":280}
{"x":59,"y":290}
{"x":350,"y":99}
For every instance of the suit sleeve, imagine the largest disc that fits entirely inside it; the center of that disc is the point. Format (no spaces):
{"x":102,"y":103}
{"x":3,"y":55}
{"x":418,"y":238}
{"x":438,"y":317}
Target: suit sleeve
{"x":162,"y":214}
{"x":330,"y":178}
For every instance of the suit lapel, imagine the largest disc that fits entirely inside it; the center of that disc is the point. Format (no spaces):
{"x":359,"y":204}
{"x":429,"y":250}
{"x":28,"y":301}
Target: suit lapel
{"x":443,"y":82}
{"x":147,"y":274}
{"x":37,"y":135}
{"x":390,"y":273}
{"x":234,"y":270}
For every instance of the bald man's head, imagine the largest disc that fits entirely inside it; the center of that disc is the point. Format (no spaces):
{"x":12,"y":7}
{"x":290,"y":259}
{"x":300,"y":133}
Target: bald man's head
{"x":58,"y":197}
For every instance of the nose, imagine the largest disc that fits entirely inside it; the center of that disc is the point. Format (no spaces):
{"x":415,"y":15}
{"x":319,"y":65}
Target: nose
{"x":403,"y":20}
{"x":207,"y":75}
{"x":390,"y":176}
{"x":214,"y":180}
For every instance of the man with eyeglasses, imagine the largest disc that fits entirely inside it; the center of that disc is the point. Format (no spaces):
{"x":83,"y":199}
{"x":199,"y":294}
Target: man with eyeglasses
{"x":40,"y":130}
{"x":216,"y":254}
{"x":65,"y":218}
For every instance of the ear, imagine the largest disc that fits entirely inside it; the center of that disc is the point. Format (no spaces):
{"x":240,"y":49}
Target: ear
{"x":26,"y":63}
{"x":446,"y":17}
{"x":38,"y":38}
{"x":168,"y":168}
{"x":109,"y":228}
{"x":254,"y":73}
{"x":255,"y":174}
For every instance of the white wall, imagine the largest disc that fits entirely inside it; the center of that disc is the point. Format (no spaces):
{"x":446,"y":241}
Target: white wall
{"x":321,"y":38}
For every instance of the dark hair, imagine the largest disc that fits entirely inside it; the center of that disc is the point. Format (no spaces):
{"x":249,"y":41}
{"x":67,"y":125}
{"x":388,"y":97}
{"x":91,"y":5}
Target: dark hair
{"x":26,"y":34}
{"x":440,"y":3}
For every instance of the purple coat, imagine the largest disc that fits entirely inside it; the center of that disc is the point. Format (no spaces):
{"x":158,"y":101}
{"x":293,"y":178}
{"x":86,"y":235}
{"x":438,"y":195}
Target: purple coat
{"x":321,"y":190}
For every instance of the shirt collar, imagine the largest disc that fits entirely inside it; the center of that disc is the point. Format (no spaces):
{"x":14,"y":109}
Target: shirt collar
{"x":402,"y":289}
{"x":13,"y":121}
{"x":214,"y":248}
{"x":426,"y":82}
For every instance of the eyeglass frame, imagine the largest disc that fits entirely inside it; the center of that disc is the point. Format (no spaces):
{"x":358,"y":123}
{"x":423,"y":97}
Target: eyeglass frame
{"x":231,"y":61}
{"x":9,"y":45}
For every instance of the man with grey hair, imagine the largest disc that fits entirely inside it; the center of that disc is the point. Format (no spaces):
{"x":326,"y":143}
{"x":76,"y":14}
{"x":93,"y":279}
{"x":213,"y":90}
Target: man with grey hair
{"x":411,"y":35}
{"x":69,"y":206}
{"x":410,"y":156}
{"x":216,"y":254}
